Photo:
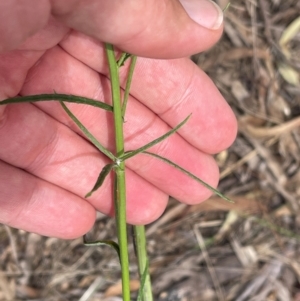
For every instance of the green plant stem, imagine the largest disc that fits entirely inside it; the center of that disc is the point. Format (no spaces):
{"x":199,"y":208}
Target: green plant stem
{"x":116,"y":99}
{"x":128,"y":84}
{"x":120,"y":185}
{"x":141,"y":253}
{"x":145,"y":292}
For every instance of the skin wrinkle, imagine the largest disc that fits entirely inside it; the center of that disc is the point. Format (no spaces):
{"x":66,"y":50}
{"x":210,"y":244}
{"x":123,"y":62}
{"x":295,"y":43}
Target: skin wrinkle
{"x":182,"y":99}
{"x":30,"y":75}
{"x":133,"y":137}
{"x":39,"y":195}
{"x":48,"y":37}
{"x":14,"y":215}
{"x":166,"y":93}
{"x":11,"y":82}
{"x":21,"y":20}
{"x":64,"y":224}
{"x":45,"y":155}
{"x":3,"y":116}
{"x":27,"y":126}
{"x":61,"y":8}
{"x":26,"y":206}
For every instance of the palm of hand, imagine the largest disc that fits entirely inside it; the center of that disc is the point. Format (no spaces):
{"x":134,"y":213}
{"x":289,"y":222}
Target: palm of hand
{"x":51,"y":167}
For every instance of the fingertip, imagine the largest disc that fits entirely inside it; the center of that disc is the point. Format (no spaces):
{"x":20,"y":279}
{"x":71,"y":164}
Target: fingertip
{"x":72,"y":223}
{"x":228,"y":131}
{"x":77,"y":225}
{"x":149,"y":211}
{"x":37,"y":206}
{"x":206,"y":13}
{"x":211,"y":177}
{"x":222,"y":129}
{"x":146,"y":203}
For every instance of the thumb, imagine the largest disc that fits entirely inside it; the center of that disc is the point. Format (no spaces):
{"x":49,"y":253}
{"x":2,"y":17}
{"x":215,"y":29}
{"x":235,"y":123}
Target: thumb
{"x":149,"y":28}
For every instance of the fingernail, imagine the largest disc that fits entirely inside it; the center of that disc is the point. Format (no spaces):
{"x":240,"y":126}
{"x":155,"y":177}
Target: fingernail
{"x":205,"y":12}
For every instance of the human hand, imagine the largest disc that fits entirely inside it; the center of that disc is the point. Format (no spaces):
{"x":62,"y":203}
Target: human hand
{"x":46,"y":165}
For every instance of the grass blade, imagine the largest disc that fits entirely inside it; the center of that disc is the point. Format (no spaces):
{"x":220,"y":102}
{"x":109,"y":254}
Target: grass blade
{"x":130,"y":154}
{"x":140,"y":247}
{"x":109,"y":243}
{"x":140,"y":296}
{"x":88,"y":134}
{"x":217,"y":192}
{"x":226,"y":7}
{"x":124,"y":57}
{"x":103,"y":174}
{"x":128,"y":84}
{"x":59,"y":97}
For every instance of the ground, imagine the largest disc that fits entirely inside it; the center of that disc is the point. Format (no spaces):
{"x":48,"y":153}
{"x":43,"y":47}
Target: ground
{"x":248,"y":250}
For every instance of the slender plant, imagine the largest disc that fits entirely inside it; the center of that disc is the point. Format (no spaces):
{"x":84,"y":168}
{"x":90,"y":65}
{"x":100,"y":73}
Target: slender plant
{"x":117,"y":166}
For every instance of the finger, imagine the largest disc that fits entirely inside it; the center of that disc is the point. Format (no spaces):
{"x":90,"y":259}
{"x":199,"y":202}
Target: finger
{"x":157,"y":29}
{"x":20,"y":20}
{"x":34,"y":142}
{"x":141,"y":126}
{"x":37,"y":206}
{"x":176,"y":31}
{"x":13,"y":70}
{"x":14,"y":65}
{"x":187,"y":90}
{"x":173,"y":90}
{"x":47,"y":37}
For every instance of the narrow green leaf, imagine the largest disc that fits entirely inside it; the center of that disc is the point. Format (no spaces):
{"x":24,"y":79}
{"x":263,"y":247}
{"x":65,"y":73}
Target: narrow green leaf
{"x":128,"y":84}
{"x":140,"y":247}
{"x":109,"y":243}
{"x":130,"y":154}
{"x":103,"y":174}
{"x":59,"y":97}
{"x":217,"y":192}
{"x":140,"y":296}
{"x":226,"y":7}
{"x":124,"y":57}
{"x":88,"y":134}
